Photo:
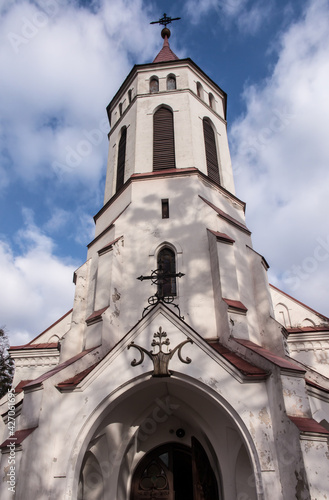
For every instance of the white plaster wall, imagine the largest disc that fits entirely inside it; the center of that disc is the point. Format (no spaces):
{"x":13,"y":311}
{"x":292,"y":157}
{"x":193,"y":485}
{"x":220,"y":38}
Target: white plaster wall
{"x":319,"y":404}
{"x":212,"y":402}
{"x":312,"y":353}
{"x":316,"y":459}
{"x":297,"y":313}
{"x":295,"y":396}
{"x":74,"y":408}
{"x":144,"y":231}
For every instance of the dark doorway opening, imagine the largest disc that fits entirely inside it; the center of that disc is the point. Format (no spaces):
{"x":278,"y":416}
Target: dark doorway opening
{"x":175,"y":472}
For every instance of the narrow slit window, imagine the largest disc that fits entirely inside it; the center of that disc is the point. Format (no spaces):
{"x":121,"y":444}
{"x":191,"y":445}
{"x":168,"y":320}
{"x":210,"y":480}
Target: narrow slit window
{"x":167,"y":264}
{"x":121,"y":159}
{"x":199,"y":90}
{"x":165,"y":208}
{"x":211,"y":101}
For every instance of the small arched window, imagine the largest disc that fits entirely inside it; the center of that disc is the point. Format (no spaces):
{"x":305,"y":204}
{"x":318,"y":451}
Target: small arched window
{"x":163,"y":139}
{"x":154,"y":85}
{"x":171,"y":82}
{"x":211,"y":101}
{"x":199,"y":90}
{"x":130,"y":95}
{"x":120,"y":109}
{"x":211,"y":150}
{"x":121,"y":158}
{"x":167,"y":264}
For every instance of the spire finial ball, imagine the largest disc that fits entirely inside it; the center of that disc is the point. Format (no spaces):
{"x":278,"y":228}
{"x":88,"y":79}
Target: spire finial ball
{"x":165,"y":32}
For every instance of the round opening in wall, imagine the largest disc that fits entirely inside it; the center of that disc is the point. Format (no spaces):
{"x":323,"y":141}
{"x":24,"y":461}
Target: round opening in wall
{"x":180,"y":433}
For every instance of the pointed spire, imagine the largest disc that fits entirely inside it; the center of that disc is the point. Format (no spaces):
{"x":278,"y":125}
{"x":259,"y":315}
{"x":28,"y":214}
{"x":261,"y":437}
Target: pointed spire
{"x":165,"y":54}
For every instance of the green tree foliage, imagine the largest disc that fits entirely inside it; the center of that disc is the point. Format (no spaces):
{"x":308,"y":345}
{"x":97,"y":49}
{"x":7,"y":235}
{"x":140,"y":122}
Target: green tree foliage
{"x":6,"y":364}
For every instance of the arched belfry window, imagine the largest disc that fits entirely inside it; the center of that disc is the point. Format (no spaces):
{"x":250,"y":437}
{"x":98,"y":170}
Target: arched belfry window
{"x":121,"y":158}
{"x":166,"y":263}
{"x":154,"y":84}
{"x":171,"y":82}
{"x":211,"y":151}
{"x":163,"y":139}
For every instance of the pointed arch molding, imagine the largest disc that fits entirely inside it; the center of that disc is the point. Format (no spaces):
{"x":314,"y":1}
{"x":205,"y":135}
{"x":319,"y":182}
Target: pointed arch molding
{"x":174,"y":245}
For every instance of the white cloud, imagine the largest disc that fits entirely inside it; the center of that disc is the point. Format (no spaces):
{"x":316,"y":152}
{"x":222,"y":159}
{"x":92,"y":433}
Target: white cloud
{"x":280,"y":156}
{"x":36,"y":286}
{"x":247,"y":15}
{"x":63,"y":61}
{"x":58,"y":220}
{"x":71,"y":62}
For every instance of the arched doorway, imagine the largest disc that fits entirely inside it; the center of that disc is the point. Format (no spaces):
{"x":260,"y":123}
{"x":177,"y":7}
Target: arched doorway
{"x":175,"y":472}
{"x":166,"y":416}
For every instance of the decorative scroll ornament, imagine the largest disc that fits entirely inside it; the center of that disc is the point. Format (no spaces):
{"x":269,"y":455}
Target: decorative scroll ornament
{"x":161,"y":359}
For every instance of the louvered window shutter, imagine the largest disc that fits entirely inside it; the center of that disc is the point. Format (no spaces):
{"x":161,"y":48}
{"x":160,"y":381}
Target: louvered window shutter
{"x":211,"y":152}
{"x":121,"y":159}
{"x":163,"y":140}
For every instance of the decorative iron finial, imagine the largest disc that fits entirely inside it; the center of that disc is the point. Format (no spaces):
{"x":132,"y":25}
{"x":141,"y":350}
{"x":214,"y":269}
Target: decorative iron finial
{"x":165,"y":20}
{"x":160,"y":359}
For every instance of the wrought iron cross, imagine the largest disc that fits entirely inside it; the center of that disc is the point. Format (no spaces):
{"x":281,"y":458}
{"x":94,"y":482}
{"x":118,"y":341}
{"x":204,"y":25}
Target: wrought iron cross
{"x":165,"y":20}
{"x":161,"y":277}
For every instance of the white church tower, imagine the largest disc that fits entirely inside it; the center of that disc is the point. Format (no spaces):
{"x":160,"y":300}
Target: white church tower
{"x":180,"y":373}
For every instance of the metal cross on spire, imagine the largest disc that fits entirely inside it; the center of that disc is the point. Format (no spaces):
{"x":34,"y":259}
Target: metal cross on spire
{"x":165,"y":20}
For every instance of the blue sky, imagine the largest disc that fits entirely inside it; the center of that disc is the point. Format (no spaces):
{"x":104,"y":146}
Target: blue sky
{"x":63,"y":60}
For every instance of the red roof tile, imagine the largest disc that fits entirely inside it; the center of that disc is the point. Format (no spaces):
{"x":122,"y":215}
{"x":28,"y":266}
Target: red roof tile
{"x":235,"y":304}
{"x":17,"y":438}
{"x":317,"y":386}
{"x":226,"y":216}
{"x":249,"y":370}
{"x":58,"y":368}
{"x":45,"y":345}
{"x":222,"y":236}
{"x":274,"y":358}
{"x":72,"y":382}
{"x":308,"y":425}
{"x":96,"y":315}
{"x":166,"y":171}
{"x":165,"y":54}
{"x":109,"y":245}
{"x":304,"y":329}
{"x":19,"y":387}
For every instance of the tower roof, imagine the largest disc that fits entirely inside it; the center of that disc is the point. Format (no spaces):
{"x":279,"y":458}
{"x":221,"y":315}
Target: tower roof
{"x":165,"y":54}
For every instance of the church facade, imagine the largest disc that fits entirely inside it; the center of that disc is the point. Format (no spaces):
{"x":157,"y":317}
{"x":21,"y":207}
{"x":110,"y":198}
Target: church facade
{"x":179,"y":373}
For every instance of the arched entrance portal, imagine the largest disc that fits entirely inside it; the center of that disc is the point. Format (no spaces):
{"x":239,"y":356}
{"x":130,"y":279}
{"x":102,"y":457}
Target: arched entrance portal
{"x":171,"y":437}
{"x":175,"y":472}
